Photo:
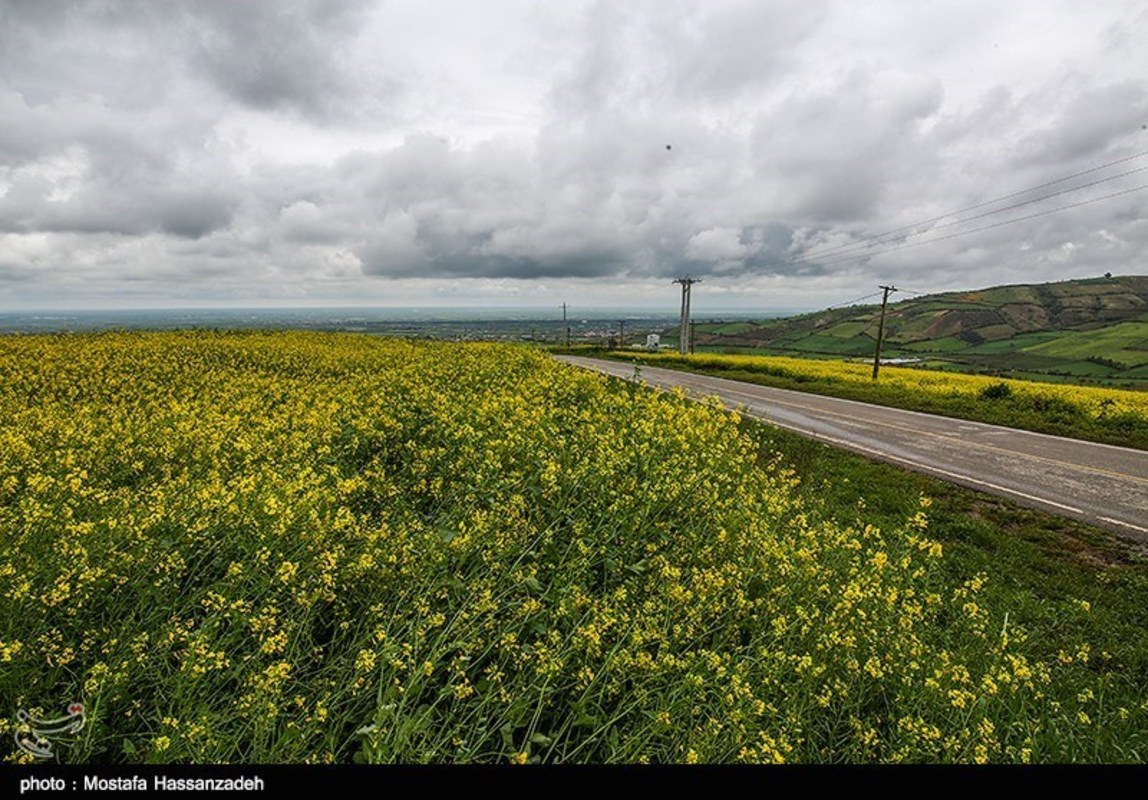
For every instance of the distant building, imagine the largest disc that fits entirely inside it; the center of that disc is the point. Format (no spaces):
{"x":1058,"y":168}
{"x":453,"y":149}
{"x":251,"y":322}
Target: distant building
{"x":653,"y":341}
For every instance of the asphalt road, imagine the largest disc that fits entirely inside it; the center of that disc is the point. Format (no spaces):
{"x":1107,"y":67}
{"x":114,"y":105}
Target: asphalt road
{"x":1097,"y":483}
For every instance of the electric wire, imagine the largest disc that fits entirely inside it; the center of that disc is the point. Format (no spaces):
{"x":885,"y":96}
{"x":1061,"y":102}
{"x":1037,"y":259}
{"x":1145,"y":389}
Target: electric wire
{"x":993,"y":226}
{"x":876,"y":238}
{"x":860,"y":246}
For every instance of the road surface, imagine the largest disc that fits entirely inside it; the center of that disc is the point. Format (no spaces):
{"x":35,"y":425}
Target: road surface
{"x":1100,"y":484}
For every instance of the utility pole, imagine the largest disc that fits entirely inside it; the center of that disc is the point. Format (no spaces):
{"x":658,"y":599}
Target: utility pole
{"x":692,"y":324}
{"x":684,"y":336}
{"x":621,"y":334}
{"x":881,"y":328}
{"x":567,"y":337}
{"x":563,"y":312}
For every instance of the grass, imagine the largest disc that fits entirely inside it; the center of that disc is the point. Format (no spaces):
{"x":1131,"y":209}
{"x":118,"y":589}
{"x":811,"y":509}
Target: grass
{"x":1125,"y":343}
{"x":1022,"y":341}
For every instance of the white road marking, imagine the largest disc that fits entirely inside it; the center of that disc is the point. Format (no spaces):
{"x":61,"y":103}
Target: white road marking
{"x":1123,"y":524}
{"x":937,"y":470}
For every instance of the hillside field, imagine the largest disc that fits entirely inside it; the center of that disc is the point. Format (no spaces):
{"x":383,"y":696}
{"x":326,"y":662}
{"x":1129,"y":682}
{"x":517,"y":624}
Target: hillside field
{"x":1083,"y":331}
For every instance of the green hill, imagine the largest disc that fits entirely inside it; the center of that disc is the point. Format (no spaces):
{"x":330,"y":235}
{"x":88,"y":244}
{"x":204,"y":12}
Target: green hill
{"x":1082,"y":330}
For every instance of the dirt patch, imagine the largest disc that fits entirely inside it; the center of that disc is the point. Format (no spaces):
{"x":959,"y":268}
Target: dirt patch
{"x":1025,"y":316}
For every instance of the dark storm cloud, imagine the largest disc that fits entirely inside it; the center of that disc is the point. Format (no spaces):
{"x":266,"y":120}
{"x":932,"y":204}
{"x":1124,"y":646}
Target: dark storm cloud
{"x":572,"y":206}
{"x":184,"y":214}
{"x":293,"y":56}
{"x":276,"y":55}
{"x":90,"y":172}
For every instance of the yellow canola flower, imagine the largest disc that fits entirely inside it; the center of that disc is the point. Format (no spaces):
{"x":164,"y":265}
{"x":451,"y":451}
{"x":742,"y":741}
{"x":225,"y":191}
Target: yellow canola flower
{"x":281,"y":535}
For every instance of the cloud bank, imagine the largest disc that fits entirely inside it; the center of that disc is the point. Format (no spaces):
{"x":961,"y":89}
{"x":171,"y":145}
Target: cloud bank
{"x":345,"y":151}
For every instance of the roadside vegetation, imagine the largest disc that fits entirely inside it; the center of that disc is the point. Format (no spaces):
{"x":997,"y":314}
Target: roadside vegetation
{"x":1098,"y":414}
{"x":297,"y":547}
{"x":1062,"y":581}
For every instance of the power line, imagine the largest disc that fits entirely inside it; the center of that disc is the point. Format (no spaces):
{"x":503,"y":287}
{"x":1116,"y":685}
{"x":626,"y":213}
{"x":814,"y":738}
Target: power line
{"x":1002,"y":224}
{"x":876,"y":242}
{"x":876,"y":238}
{"x":850,"y":302}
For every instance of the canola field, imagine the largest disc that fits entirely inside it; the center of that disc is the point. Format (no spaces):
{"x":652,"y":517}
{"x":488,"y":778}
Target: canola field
{"x":306,"y":547}
{"x":1116,"y":416}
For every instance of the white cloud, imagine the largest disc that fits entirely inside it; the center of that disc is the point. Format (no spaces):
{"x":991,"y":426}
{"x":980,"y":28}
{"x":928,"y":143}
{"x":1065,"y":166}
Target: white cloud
{"x":716,"y":244}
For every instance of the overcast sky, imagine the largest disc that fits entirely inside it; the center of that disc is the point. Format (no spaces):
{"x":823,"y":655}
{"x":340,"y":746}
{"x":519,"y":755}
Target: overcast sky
{"x":503,"y":152}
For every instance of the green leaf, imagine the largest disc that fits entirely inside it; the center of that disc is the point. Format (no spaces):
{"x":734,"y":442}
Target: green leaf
{"x":541,"y":739}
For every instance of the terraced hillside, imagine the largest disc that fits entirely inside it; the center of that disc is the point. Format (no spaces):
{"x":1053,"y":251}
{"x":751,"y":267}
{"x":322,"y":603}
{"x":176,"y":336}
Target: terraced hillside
{"x":1084,"y":330}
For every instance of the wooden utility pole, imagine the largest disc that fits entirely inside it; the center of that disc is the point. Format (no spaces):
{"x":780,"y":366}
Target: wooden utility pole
{"x":684,"y":336}
{"x":563,"y":312}
{"x":692,"y":324}
{"x":621,"y":334}
{"x":567,"y":336}
{"x":881,"y":328}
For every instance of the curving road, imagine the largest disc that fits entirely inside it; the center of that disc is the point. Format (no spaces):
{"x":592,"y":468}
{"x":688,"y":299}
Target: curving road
{"x":1097,"y":483}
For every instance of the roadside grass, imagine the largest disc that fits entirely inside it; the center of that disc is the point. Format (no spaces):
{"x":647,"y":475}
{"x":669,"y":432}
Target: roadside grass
{"x":1062,"y":581}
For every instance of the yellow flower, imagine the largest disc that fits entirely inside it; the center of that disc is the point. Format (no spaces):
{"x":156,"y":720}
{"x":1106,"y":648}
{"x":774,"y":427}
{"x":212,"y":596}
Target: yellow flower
{"x":286,"y":572}
{"x":365,"y":661}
